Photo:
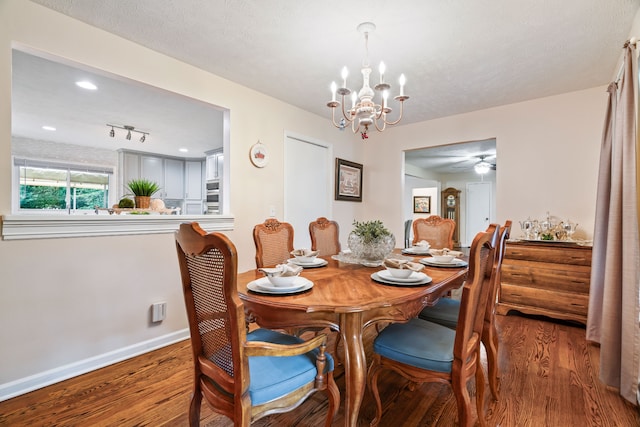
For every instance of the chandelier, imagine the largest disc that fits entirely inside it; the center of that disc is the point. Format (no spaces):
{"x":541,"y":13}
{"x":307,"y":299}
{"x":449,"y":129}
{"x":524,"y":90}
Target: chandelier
{"x":364,"y":112}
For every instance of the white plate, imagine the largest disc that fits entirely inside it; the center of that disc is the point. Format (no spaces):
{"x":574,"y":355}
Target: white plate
{"x":264,"y":285}
{"x":454,"y":262}
{"x":414,"y":277}
{"x":376,"y":277}
{"x":318,"y":262}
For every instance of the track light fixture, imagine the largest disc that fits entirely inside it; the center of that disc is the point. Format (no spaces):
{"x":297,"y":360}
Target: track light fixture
{"x":129,"y":129}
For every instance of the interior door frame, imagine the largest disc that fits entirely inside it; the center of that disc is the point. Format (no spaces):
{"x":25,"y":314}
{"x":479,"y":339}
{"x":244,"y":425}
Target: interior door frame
{"x":328,"y":180}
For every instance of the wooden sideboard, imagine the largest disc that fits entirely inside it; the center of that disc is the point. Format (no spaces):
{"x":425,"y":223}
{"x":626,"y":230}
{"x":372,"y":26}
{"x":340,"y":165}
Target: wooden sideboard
{"x":550,"y":279}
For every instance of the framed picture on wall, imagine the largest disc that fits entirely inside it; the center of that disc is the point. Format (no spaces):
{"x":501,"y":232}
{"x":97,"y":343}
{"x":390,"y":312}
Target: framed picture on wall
{"x":421,"y":204}
{"x":348,"y":180}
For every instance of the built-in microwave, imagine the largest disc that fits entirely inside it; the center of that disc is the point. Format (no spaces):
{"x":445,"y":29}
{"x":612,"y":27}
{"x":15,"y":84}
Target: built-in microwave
{"x":213,"y":197}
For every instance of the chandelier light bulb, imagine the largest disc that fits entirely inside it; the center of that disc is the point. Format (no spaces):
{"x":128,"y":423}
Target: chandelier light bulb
{"x":402,"y":80}
{"x":382,"y":68}
{"x":333,"y":91}
{"x":354,"y":99}
{"x":344,"y":75}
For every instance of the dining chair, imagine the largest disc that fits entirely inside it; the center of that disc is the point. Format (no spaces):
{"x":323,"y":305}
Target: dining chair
{"x":325,"y":236}
{"x":422,"y":351}
{"x":244,"y":376}
{"x":434,"y":229}
{"x":446,"y":312}
{"x":407,"y":232}
{"x":274,"y":242}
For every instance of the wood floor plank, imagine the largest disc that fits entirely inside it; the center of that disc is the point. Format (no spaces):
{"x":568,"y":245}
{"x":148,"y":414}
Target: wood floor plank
{"x":548,"y":377}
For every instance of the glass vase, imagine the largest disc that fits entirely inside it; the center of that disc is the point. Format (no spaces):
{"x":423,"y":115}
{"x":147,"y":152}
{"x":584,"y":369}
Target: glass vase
{"x":371,"y":253}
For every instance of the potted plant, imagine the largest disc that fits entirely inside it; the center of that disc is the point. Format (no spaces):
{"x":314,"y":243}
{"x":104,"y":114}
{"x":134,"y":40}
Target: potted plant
{"x":143,"y":189}
{"x":371,"y":242}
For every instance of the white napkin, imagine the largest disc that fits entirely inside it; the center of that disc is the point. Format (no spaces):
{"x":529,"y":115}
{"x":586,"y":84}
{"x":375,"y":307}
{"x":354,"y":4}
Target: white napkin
{"x":282,"y":270}
{"x":304,"y":252}
{"x":445,"y":251}
{"x":402,"y":264}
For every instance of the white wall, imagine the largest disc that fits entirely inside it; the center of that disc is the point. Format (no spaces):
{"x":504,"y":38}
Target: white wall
{"x":548,"y":152}
{"x":69,"y":303}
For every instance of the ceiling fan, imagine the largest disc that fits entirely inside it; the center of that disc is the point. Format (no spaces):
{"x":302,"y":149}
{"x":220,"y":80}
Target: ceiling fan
{"x":483,"y":166}
{"x":480,"y":163}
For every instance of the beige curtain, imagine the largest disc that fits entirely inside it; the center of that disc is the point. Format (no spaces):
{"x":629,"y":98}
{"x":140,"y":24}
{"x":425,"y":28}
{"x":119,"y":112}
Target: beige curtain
{"x":614,"y":300}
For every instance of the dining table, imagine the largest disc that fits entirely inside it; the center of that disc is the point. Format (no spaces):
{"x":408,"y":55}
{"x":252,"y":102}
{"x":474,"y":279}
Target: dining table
{"x":346,"y":298}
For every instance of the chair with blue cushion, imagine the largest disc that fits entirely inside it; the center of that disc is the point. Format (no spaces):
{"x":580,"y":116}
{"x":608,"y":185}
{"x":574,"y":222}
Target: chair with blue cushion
{"x":244,"y":376}
{"x":445,"y":312}
{"x":422,"y":351}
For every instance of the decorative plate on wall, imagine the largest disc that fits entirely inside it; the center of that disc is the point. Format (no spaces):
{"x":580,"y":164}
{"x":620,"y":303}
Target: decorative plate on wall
{"x":259,"y":155}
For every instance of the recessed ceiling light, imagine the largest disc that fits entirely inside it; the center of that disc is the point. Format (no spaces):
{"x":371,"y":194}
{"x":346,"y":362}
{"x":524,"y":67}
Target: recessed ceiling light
{"x":86,"y":85}
{"x":183,"y":150}
{"x":51,"y":128}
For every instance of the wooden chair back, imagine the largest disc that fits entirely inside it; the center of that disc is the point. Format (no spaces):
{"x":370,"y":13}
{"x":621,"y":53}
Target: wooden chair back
{"x":274,"y":242}
{"x":434,"y":229}
{"x":208,"y":266}
{"x":220,"y":345}
{"x":465,"y":343}
{"x":325,"y":236}
{"x":475,"y":294}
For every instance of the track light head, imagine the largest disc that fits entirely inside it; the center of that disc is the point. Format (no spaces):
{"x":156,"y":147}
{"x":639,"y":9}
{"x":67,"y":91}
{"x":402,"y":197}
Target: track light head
{"x":143,"y":138}
{"x":112,"y":133}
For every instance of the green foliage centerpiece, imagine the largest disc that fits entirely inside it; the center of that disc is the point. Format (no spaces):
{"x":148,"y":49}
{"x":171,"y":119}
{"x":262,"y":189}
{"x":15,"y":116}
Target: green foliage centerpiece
{"x":371,"y":242}
{"x":143,"y":189}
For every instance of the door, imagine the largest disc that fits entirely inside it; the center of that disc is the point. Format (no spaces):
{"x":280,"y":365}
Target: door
{"x":478,"y":210}
{"x":307,"y":186}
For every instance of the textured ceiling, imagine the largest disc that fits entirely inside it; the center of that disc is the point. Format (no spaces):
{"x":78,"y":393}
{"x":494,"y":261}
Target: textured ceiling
{"x":458,"y":55}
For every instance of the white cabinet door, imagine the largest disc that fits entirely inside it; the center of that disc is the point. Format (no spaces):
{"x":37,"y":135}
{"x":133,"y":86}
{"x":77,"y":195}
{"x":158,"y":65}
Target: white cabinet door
{"x":194,"y":182}
{"x":173,"y":179}
{"x":193,"y":208}
{"x":152,"y":169}
{"x":130,"y":170}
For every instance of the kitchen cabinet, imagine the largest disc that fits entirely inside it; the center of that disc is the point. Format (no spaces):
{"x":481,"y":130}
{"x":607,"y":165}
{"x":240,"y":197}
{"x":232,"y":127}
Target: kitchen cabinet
{"x":550,"y":279}
{"x":173,"y":179}
{"x":181,"y":180}
{"x":194,"y":182}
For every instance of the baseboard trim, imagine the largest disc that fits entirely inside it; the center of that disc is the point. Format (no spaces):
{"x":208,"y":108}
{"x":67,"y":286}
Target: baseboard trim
{"x":52,"y":376}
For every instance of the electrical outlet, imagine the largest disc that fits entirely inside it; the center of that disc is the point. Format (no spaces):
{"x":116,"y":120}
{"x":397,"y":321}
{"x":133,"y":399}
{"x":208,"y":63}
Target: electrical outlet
{"x":158,"y":311}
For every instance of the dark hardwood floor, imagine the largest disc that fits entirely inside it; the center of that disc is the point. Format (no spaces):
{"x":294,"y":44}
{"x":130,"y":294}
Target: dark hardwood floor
{"x":549,"y":378}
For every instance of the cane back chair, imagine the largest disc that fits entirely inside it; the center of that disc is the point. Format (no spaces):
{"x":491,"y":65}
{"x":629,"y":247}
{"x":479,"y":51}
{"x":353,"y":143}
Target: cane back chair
{"x":244,"y":376}
{"x":274,"y":242}
{"x":436,"y":230}
{"x":325,"y":236}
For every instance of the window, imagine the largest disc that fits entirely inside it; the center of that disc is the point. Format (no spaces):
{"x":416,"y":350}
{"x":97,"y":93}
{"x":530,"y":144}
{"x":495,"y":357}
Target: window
{"x":44,"y":186}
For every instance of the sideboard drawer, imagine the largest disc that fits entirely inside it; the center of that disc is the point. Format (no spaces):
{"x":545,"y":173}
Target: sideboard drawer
{"x":551,"y":279}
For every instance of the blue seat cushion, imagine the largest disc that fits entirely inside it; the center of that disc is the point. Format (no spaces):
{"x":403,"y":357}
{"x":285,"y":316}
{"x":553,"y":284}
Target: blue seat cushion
{"x":445,"y":312}
{"x":273,"y":376}
{"x":417,"y":343}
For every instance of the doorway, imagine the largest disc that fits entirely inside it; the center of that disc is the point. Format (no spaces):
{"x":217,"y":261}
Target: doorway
{"x":453,"y":166}
{"x":307,"y":185}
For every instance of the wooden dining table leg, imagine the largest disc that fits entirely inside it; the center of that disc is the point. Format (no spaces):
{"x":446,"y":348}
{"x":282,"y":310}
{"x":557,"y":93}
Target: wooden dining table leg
{"x":355,"y":365}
